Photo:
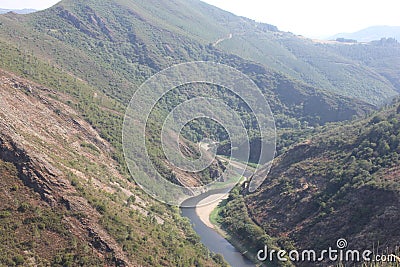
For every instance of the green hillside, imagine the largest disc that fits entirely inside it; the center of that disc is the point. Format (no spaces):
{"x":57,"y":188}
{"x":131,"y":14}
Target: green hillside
{"x":381,"y":55}
{"x":341,"y":183}
{"x":114,"y":46}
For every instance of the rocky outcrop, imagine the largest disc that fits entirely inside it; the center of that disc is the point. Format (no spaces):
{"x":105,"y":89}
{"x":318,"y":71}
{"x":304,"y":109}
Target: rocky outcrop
{"x":35,"y":174}
{"x":75,"y":21}
{"x":98,"y":21}
{"x":93,"y":25}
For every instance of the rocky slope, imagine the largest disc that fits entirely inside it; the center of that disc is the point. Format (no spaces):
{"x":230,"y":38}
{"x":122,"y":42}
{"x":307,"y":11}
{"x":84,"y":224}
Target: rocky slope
{"x":40,"y":141}
{"x":58,"y":163}
{"x":342,"y":183}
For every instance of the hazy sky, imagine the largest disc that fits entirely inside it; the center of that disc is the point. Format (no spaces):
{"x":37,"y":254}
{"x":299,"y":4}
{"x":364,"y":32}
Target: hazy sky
{"x":317,"y":18}
{"x":312,"y":18}
{"x":30,"y":4}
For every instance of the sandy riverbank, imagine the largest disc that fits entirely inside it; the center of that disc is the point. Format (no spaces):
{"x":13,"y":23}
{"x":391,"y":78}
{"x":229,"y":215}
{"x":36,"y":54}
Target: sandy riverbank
{"x":204,"y":208}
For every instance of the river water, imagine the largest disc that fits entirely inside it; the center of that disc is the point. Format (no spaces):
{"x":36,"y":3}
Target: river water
{"x":210,"y":238}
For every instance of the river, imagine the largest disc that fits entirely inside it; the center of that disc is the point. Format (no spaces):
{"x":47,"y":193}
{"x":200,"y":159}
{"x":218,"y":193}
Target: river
{"x":209,"y":237}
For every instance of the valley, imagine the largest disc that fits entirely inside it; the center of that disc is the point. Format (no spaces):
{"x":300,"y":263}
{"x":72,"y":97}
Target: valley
{"x":67,"y":77}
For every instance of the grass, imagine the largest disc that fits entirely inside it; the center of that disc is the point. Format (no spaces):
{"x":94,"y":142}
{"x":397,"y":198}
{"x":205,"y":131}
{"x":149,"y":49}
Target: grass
{"x":229,"y":182}
{"x":249,"y":164}
{"x":215,"y":217}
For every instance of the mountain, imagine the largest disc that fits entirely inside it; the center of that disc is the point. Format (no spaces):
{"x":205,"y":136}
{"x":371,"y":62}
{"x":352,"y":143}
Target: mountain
{"x":68,"y":74}
{"x":127,"y":42}
{"x":371,"y":34}
{"x":102,"y":28}
{"x":17,"y":11}
{"x":340,"y":183}
{"x":65,"y":201}
{"x":46,"y":202}
{"x":382,"y":55}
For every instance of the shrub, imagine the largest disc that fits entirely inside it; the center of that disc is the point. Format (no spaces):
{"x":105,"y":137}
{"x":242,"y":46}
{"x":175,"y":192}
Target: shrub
{"x":24,"y":207}
{"x":4,"y":214}
{"x":18,"y":260}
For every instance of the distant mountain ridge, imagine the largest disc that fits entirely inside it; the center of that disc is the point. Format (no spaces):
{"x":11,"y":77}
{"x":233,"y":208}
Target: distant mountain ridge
{"x":18,"y":11}
{"x":371,"y":34}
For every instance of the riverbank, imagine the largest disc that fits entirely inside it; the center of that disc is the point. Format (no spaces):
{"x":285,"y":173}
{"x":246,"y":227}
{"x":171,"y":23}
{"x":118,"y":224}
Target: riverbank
{"x":204,"y":210}
{"x":214,"y":219}
{"x":210,"y":237}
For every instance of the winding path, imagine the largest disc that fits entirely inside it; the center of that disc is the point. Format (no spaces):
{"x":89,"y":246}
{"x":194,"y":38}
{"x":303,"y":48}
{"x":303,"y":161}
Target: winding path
{"x":230,"y":36}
